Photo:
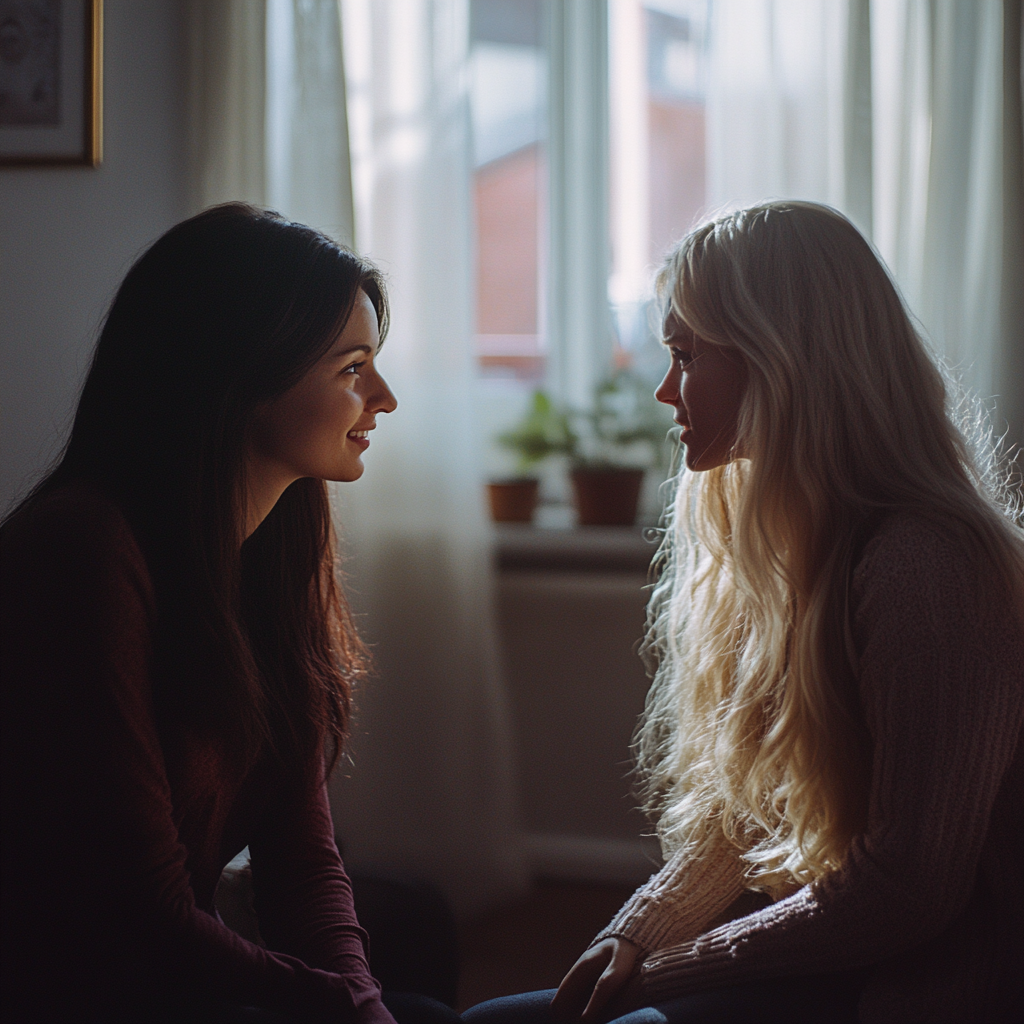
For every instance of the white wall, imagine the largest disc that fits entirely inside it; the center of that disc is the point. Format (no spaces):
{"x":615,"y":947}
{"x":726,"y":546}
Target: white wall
{"x":67,"y":235}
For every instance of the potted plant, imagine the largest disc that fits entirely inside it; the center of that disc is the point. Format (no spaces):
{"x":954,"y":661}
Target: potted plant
{"x":618,"y":440}
{"x":544,"y":431}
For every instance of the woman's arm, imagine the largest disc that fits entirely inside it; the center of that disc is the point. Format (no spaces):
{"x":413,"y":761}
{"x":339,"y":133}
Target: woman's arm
{"x":682,"y":899}
{"x":98,"y":900}
{"x":943,"y":694}
{"x":303,"y":895}
{"x":677,"y":903}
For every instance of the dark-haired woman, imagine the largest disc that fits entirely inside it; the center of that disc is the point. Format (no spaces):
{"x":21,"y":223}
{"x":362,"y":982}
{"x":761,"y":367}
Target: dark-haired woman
{"x":177,"y":656}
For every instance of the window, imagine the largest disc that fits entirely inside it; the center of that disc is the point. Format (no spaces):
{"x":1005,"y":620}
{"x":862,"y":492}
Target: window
{"x":527,"y":61}
{"x":658,"y":70}
{"x":509,"y":99}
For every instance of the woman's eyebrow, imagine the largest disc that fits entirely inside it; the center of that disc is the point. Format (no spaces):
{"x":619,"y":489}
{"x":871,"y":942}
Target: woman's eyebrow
{"x":355,"y":348}
{"x":673,"y":327}
{"x":677,"y":340}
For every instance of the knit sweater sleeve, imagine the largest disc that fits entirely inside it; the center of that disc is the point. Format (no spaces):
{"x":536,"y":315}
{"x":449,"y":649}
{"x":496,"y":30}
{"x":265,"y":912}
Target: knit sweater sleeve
{"x":681,"y":900}
{"x":85,"y":761}
{"x":942,"y":689}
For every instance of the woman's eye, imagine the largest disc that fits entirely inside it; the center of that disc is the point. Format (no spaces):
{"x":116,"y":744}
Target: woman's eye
{"x":354,"y":367}
{"x":681,"y":357}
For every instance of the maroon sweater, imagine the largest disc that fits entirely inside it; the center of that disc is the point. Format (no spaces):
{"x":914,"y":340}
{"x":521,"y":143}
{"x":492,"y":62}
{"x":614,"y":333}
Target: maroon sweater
{"x":114,"y":839}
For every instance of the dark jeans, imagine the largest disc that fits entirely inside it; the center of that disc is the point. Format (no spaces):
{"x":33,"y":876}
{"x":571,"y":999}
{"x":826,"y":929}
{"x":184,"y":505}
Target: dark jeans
{"x":408,"y":1008}
{"x":826,"y":998}
{"x":405,"y":1007}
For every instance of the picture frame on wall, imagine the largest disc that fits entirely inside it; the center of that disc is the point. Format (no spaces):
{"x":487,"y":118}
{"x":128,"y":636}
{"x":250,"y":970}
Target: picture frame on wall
{"x":51,"y":82}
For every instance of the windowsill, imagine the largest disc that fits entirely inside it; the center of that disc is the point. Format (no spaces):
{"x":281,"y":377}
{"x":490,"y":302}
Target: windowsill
{"x":569,"y":548}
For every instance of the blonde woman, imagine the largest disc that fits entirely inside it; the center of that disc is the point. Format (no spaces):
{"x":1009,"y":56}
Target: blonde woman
{"x":831,"y":746}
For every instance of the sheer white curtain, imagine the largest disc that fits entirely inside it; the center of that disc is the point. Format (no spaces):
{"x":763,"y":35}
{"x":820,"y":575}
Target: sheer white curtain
{"x":905,"y":114}
{"x":268,"y":121}
{"x":227,"y":89}
{"x":948,"y":217}
{"x":429,"y":789}
{"x":789,"y":104}
{"x":308,"y":167}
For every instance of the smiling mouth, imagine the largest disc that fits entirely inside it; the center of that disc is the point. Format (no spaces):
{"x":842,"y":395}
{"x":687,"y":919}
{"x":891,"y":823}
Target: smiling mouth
{"x":359,"y":435}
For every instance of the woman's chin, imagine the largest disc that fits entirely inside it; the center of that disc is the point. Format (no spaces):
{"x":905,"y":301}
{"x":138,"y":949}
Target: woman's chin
{"x":698,"y":461}
{"x":348,"y":474}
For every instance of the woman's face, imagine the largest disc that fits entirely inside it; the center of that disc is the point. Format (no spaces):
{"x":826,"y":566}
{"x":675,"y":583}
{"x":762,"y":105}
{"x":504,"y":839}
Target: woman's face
{"x":320,"y":426}
{"x":705,"y":385}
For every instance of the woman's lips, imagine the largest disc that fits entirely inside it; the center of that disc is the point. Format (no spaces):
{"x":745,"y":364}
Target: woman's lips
{"x":360,"y":438}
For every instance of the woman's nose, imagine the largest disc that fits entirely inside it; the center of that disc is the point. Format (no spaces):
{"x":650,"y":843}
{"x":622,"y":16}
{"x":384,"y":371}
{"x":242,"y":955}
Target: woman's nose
{"x":384,"y":400}
{"x":668,"y":389}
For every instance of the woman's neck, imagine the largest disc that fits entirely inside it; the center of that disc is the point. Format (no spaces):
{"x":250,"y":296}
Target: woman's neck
{"x":262,"y":489}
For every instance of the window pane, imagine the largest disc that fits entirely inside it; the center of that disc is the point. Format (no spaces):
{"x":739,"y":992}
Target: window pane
{"x":675,"y":109}
{"x":508,"y":93}
{"x":658,"y":189}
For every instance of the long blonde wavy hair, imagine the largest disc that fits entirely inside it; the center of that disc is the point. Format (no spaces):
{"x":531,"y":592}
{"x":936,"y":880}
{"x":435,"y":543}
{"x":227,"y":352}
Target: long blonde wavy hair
{"x":752,"y":724}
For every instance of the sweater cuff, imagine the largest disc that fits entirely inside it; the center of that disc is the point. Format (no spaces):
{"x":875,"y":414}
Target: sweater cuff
{"x":648,"y":924}
{"x":680,"y":901}
{"x":706,"y":962}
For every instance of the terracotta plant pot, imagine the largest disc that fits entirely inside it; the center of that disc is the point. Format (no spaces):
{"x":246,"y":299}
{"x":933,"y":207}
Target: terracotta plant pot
{"x":607,"y":497}
{"x":513,"y":501}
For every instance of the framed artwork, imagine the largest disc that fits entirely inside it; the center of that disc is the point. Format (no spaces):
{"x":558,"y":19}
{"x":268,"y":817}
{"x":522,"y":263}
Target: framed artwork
{"x":51,"y":82}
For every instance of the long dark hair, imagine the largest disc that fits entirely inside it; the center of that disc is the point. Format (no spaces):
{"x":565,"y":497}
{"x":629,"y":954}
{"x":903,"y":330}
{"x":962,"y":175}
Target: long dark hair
{"x":255,"y":641}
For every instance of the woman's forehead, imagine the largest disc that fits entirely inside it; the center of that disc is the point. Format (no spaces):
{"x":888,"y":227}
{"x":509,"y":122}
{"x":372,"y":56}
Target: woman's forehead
{"x":673,"y":325}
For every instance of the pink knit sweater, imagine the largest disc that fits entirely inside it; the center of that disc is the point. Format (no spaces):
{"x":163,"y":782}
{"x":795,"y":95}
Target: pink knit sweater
{"x":931,"y":897}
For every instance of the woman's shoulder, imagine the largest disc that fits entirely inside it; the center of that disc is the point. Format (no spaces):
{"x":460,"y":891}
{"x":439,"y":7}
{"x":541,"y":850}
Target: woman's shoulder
{"x":73,"y":511}
{"x":918,"y":577}
{"x":76,"y":532}
{"x":897,"y":542}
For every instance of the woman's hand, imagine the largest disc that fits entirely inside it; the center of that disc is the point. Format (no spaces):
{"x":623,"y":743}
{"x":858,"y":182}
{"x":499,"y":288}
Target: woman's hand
{"x":601,"y":974}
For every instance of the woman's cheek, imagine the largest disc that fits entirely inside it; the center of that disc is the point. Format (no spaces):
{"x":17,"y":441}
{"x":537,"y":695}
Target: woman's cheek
{"x":350,"y":408}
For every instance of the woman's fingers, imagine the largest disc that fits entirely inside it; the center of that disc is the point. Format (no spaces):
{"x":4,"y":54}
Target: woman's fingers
{"x":574,"y":992}
{"x":594,"y":981}
{"x":604,"y":991}
{"x":628,"y":998}
{"x":612,"y":980}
